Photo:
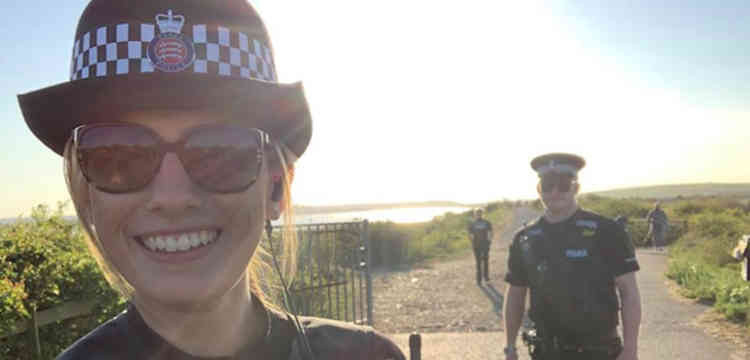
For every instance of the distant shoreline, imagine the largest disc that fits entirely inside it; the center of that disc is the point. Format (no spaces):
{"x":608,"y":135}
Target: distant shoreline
{"x":331,"y":209}
{"x":739,"y":191}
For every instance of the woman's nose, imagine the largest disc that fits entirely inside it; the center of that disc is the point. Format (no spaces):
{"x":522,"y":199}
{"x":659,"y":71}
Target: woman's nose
{"x":172,"y":190}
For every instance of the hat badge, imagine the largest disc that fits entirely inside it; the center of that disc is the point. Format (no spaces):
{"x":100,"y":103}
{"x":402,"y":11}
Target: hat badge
{"x":170,"y":50}
{"x":552,"y":164}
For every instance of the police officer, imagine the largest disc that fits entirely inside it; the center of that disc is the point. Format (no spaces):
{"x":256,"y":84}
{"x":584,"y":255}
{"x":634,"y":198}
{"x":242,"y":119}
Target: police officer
{"x":574,"y":262}
{"x":481,"y":235}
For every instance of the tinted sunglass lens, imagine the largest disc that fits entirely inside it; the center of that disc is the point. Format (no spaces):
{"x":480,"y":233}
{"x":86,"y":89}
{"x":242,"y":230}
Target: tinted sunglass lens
{"x":118,"y":158}
{"x":222,"y":159}
{"x":562,"y":184}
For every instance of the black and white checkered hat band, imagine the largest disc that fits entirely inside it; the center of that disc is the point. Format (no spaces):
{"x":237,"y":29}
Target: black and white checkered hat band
{"x":123,"y":49}
{"x":558,"y":168}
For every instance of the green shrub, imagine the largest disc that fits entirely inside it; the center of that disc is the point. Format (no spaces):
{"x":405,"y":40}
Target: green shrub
{"x":709,"y":205}
{"x":44,"y":264}
{"x":445,"y":235}
{"x":611,"y":207}
{"x":700,"y":261}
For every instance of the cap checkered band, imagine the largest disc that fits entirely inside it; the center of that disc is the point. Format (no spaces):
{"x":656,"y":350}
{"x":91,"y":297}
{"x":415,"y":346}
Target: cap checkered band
{"x":558,"y":168}
{"x":124,"y":49}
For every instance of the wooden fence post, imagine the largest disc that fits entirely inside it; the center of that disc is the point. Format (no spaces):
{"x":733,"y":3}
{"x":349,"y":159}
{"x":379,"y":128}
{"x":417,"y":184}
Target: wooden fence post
{"x":34,"y":327}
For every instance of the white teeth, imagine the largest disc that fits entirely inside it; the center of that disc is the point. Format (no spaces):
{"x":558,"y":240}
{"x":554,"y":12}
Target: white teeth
{"x":181,"y":242}
{"x":171,"y":243}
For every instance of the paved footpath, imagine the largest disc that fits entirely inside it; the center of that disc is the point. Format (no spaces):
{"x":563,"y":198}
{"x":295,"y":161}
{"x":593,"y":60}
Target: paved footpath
{"x":668,"y":328}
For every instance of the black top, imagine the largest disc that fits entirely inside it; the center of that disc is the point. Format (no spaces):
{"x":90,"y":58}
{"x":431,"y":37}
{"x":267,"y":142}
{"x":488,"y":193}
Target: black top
{"x":480,"y":230}
{"x":657,"y":217}
{"x":127,"y":336}
{"x":570,"y":268}
{"x":614,"y":244}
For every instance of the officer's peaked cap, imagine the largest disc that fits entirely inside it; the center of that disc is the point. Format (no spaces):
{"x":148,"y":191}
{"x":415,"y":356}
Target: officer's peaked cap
{"x":558,"y":162}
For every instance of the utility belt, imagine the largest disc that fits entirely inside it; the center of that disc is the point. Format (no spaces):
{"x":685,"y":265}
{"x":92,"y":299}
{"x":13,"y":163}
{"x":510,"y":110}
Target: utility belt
{"x":548,"y":347}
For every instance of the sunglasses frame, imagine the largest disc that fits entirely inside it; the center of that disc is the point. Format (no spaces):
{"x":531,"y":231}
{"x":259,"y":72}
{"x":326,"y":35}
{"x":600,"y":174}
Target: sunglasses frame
{"x":556,"y":186}
{"x":163,"y":148}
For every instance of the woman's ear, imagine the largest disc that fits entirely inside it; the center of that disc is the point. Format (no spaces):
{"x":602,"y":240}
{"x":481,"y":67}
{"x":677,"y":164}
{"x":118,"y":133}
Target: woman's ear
{"x":282,"y":175}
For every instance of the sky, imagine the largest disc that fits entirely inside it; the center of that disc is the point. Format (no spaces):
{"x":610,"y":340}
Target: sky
{"x":435,"y":100}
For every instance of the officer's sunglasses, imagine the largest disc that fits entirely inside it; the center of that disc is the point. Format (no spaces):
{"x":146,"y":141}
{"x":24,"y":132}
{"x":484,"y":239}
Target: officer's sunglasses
{"x":123,"y":157}
{"x":562,"y":182}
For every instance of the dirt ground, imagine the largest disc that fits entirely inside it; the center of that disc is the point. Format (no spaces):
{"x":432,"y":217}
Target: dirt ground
{"x":444,"y":296}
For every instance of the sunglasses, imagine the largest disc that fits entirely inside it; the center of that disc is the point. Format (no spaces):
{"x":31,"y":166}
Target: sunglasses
{"x":563,"y":183}
{"x":121,"y":157}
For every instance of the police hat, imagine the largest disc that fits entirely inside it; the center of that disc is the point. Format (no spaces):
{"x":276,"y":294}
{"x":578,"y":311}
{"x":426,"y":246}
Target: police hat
{"x":161,"y":54}
{"x":558,"y":162}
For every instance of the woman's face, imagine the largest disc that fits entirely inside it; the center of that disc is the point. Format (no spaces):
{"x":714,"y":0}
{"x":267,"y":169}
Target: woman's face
{"x":173,"y":209}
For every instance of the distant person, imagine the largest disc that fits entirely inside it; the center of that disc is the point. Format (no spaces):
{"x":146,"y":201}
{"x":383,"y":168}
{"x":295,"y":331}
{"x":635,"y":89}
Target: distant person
{"x":481,"y":237}
{"x":179,"y":145}
{"x":574,"y":262}
{"x":657,"y":227}
{"x":742,"y":252}
{"x":622,"y":220}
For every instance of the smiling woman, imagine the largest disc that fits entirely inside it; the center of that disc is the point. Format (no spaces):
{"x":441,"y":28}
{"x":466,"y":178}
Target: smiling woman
{"x":179,"y":147}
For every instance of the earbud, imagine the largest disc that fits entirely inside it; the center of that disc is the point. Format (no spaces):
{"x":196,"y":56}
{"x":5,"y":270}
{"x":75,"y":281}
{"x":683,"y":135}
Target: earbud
{"x":277,"y":191}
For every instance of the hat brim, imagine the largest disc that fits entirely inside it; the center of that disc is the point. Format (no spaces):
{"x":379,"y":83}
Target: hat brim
{"x":279,"y":109}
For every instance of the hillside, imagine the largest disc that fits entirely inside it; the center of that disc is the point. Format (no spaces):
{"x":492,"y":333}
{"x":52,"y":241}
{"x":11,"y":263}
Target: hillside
{"x":737,"y":190}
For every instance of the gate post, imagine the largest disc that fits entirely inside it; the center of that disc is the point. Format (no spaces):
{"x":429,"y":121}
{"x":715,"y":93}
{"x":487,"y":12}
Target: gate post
{"x":415,"y":346}
{"x":368,"y":276}
{"x":34,"y":330}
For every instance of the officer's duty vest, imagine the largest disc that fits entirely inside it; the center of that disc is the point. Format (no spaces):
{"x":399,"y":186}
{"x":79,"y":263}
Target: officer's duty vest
{"x":572,"y":291}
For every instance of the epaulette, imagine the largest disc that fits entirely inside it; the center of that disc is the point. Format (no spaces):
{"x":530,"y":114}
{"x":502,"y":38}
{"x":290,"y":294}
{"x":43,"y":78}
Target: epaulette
{"x":528,"y":226}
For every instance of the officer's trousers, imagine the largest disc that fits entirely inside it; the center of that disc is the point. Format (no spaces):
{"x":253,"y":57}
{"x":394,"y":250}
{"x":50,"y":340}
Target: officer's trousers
{"x":657,"y":234}
{"x":577,"y":356}
{"x":482,"y":256}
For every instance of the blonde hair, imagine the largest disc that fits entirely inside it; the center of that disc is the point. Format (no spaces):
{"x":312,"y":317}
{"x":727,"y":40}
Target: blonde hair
{"x":259,"y":272}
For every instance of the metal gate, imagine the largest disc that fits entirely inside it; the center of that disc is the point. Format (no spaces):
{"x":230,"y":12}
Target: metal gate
{"x":333,"y":277}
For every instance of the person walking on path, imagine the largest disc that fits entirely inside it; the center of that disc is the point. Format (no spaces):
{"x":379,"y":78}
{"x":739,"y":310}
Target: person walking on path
{"x":742,"y":253}
{"x":481,"y":236}
{"x":657,"y":226}
{"x":573,"y":262}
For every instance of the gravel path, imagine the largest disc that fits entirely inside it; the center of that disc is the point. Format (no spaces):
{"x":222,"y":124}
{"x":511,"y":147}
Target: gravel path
{"x":444,"y":297}
{"x":460,"y":320}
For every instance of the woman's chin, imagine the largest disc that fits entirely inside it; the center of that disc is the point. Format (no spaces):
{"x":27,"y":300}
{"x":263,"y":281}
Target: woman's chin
{"x":558,"y":207}
{"x":177,"y":299}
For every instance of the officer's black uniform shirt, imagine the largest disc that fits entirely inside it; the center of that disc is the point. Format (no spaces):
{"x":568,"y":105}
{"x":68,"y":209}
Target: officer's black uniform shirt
{"x":575,"y":263}
{"x":480,"y":230}
{"x":615,"y":245}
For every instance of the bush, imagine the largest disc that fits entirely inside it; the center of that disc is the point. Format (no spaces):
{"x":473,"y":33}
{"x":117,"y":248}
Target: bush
{"x":709,"y":205}
{"x":700,"y":261}
{"x":44,"y":264}
{"x":611,"y":207}
{"x":721,"y":286}
{"x":394,"y":244}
